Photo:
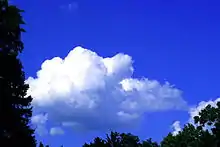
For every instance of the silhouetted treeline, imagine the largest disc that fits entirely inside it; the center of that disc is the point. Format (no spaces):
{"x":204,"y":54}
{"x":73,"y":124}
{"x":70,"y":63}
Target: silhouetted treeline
{"x":15,"y":109}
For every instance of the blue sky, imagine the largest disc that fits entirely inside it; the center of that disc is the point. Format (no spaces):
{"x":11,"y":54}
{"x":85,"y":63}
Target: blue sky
{"x":173,"y":40}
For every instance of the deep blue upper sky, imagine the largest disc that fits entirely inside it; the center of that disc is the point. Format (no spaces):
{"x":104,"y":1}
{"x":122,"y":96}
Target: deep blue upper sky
{"x":176,"y":40}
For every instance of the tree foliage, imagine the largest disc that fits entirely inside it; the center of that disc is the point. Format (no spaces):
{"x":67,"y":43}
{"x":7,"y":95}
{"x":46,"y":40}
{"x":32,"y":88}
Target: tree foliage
{"x":42,"y":145}
{"x":15,"y":108}
{"x":116,"y":139}
{"x":204,"y":133}
{"x":10,"y":28}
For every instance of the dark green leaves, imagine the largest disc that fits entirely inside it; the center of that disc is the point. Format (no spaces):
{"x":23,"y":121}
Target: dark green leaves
{"x":116,"y":139}
{"x":10,"y":28}
{"x":15,"y":109}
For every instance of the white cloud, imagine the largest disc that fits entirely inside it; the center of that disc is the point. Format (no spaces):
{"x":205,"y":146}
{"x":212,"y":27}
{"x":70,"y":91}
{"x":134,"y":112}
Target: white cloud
{"x":56,"y":131}
{"x":87,"y":91}
{"x":41,"y":130}
{"x":176,"y":127}
{"x":39,"y":119}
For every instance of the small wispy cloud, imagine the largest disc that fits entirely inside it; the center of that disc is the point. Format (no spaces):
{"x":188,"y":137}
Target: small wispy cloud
{"x":73,"y":6}
{"x":56,"y":131}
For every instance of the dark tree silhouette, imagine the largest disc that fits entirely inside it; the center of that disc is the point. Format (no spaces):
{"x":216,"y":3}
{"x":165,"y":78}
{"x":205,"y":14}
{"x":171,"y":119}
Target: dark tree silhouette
{"x":42,"y":145}
{"x":15,"y":108}
{"x":116,"y":139}
{"x":209,"y":118}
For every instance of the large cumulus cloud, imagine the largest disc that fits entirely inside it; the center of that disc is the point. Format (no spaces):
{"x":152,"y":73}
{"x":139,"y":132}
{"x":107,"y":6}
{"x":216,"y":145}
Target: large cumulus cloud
{"x":85,"y":91}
